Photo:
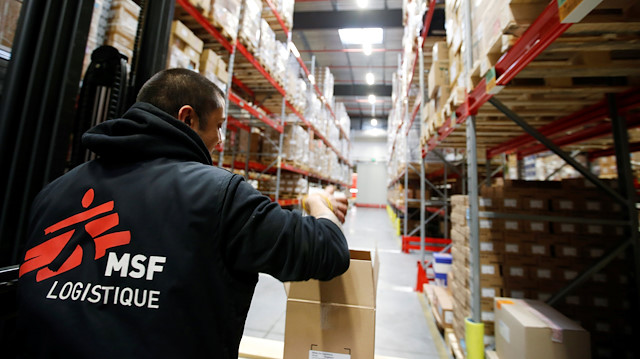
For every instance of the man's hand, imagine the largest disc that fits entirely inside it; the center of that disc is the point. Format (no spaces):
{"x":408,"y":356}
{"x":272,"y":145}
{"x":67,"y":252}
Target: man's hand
{"x":327,"y":205}
{"x":338,"y":201}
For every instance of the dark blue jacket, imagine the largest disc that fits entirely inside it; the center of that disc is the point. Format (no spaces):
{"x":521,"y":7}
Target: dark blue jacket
{"x":149,"y":251}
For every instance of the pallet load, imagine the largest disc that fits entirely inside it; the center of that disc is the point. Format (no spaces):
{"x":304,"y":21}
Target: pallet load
{"x":324,"y":80}
{"x":250,"y":24}
{"x":214,"y":68}
{"x":530,"y":258}
{"x":291,"y":185}
{"x":225,"y":14}
{"x":267,"y":48}
{"x":184,"y":47}
{"x":343,"y":118}
{"x":295,"y":85}
{"x":122,"y":26}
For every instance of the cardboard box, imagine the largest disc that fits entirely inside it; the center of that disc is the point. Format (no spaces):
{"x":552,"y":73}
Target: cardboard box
{"x":438,"y":76}
{"x":524,"y":331}
{"x":333,"y":315}
{"x":444,"y":306}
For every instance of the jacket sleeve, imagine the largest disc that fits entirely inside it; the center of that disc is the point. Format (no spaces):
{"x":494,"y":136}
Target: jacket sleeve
{"x":259,"y":236}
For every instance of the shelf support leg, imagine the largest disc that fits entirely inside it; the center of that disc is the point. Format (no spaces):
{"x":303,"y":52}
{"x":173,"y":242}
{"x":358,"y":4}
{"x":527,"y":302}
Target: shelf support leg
{"x":474,"y":229}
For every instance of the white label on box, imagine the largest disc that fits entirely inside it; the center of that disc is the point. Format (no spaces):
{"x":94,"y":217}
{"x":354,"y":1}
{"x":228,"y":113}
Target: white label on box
{"x":448,"y":317}
{"x":544,"y":273}
{"x":316,"y":354}
{"x":570,"y":251}
{"x":486,"y":223}
{"x":538,"y":249}
{"x":570,"y":274}
{"x":573,"y":299}
{"x":596,"y":252}
{"x":488,"y":292}
{"x":566,"y":204}
{"x":504,"y":331}
{"x":600,"y":278}
{"x":516,"y":271}
{"x":594,"y":229}
{"x":485,"y":202}
{"x":601,"y":302}
{"x":593,"y":205}
{"x":536,"y":204}
{"x":537,"y":226}
{"x":511,"y":225}
{"x":487,"y":269}
{"x":511,"y":248}
{"x":487,"y":316}
{"x":603,"y":327}
{"x":486,"y":247}
{"x":567,"y":228}
{"x":510,"y":202}
{"x":517,"y":294}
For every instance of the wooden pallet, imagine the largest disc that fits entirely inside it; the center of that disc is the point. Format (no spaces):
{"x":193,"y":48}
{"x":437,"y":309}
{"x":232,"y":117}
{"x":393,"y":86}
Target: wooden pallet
{"x":453,"y":344}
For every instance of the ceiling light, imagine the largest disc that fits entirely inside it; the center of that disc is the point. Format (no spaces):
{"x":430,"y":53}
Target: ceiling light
{"x":374,"y":122}
{"x":369,"y":78}
{"x":366,"y":48}
{"x":362,"y":3}
{"x":372,"y":99}
{"x":359,"y":36}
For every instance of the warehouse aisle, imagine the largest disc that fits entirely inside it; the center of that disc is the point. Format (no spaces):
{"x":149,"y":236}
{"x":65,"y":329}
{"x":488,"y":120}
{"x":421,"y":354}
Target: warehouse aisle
{"x":401,"y":327}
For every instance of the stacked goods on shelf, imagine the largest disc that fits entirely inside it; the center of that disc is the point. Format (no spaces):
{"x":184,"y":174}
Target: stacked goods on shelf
{"x":250,"y":24}
{"x":267,"y":47}
{"x":324,"y":80}
{"x":438,"y":89}
{"x":295,"y":85}
{"x":122,"y":26}
{"x":460,"y":272}
{"x":250,"y":142}
{"x":280,"y":65}
{"x":9,"y":14}
{"x":534,"y":259}
{"x":214,"y":68}
{"x":295,"y":146}
{"x":225,"y":14}
{"x":291,"y":185}
{"x":414,"y":12}
{"x":184,"y":47}
{"x":284,"y":8}
{"x":343,"y":118}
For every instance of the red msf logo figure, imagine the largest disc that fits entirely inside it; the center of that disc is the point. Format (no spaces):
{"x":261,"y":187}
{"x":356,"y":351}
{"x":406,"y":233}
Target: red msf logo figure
{"x":65,"y":251}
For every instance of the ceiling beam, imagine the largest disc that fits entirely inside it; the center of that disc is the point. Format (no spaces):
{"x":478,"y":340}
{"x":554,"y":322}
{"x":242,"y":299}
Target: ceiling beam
{"x":323,"y":20}
{"x":329,"y":20}
{"x":362,"y":90}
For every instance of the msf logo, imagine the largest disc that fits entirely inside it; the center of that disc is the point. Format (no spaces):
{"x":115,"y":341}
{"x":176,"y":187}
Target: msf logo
{"x":65,"y":251}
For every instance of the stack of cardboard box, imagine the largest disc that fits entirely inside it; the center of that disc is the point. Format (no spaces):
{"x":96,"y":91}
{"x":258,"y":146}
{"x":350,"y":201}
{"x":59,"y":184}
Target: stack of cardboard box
{"x":534,"y":259}
{"x":184,"y":47}
{"x":250,"y":24}
{"x":324,"y":80}
{"x":122,"y":26}
{"x":439,"y":88}
{"x":214,"y":68}
{"x":225,"y":14}
{"x":267,"y":48}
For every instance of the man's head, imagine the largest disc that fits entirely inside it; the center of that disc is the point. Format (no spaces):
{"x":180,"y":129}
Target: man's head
{"x":189,"y":97}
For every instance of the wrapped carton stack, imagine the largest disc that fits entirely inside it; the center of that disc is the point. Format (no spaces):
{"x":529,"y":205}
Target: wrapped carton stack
{"x":534,"y":259}
{"x":122,"y":26}
{"x":214,"y":68}
{"x":225,"y":14}
{"x":251,"y":24}
{"x":324,"y":80}
{"x":267,"y":48}
{"x":343,"y":117}
{"x":184,"y":47}
{"x":291,"y":185}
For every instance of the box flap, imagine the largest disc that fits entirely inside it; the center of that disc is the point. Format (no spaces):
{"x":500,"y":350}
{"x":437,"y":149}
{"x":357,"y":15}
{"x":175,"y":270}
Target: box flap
{"x":355,"y":287}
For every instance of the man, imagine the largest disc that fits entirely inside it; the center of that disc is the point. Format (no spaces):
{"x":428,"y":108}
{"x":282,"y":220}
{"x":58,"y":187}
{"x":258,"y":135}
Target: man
{"x":152,"y":252}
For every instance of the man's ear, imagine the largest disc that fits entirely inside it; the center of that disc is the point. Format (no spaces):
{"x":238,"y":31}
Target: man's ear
{"x":188,"y":115}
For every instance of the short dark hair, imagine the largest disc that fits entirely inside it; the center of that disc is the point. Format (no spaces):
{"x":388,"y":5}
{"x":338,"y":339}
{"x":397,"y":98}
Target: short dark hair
{"x":171,"y":89}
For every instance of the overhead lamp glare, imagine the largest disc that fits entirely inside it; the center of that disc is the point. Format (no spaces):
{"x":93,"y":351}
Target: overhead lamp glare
{"x":359,"y":36}
{"x":372,"y":99}
{"x":369,"y":78}
{"x":366,"y":49}
{"x":374,"y":122}
{"x":362,"y":3}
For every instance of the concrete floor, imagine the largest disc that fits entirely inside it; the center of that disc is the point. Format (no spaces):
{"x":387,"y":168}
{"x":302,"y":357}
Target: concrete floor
{"x":402,"y":330}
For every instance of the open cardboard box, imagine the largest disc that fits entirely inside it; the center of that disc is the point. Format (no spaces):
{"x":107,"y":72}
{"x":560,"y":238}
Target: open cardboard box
{"x":336,"y":316}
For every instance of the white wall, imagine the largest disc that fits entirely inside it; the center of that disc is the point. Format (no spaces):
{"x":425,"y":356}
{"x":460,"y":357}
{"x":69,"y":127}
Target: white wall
{"x":372,"y":183}
{"x":367,"y":148}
